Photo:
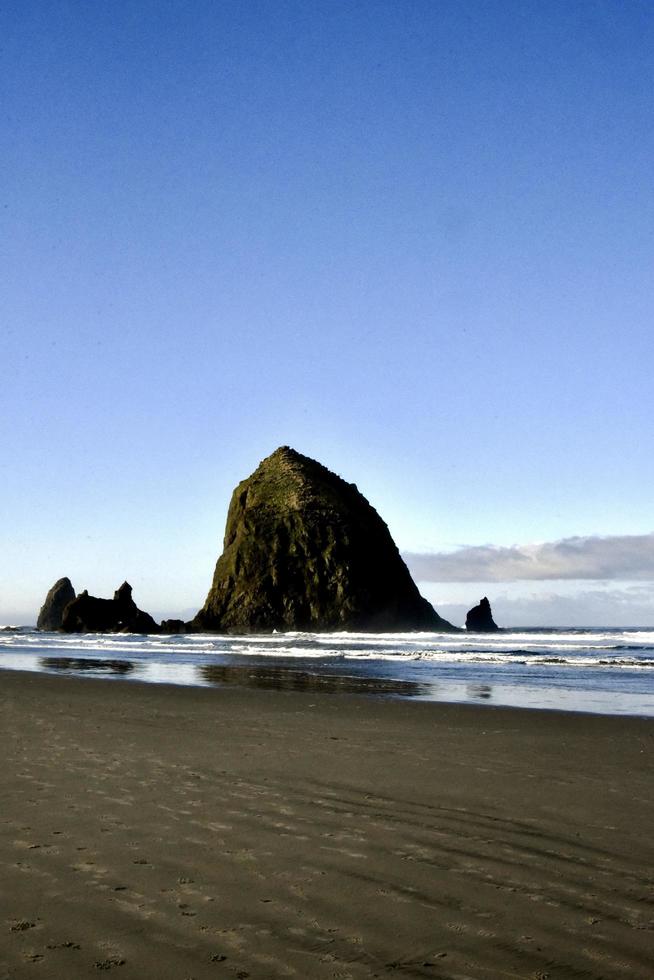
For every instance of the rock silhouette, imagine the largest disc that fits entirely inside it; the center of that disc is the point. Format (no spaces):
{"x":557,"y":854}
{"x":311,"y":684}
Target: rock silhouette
{"x":52,"y":610}
{"x":304,"y":550}
{"x":87,"y":614}
{"x":173,"y":626}
{"x":480,"y":618}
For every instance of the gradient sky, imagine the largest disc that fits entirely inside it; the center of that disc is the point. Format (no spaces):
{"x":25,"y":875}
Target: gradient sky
{"x":414,"y":240}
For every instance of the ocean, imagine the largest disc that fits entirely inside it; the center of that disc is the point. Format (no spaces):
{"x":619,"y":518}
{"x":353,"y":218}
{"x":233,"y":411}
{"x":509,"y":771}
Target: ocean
{"x":606,"y":671}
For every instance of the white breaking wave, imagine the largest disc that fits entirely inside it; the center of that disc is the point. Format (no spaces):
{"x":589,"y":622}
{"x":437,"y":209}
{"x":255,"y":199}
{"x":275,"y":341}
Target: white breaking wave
{"x":591,"y":648}
{"x":610,"y":671}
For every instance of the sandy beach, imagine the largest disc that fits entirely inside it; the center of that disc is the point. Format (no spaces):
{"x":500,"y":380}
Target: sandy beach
{"x":194,"y":833}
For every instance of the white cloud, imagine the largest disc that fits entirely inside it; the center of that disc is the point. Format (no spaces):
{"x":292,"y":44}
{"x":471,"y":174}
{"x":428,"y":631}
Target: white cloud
{"x":616,"y":558}
{"x":631,"y":606}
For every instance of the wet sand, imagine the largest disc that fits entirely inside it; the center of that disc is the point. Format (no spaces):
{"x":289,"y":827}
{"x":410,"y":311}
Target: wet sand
{"x":194,"y":833}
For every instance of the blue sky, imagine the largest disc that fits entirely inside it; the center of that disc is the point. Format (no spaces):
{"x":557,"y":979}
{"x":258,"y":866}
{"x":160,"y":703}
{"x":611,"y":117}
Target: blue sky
{"x":411,"y":239}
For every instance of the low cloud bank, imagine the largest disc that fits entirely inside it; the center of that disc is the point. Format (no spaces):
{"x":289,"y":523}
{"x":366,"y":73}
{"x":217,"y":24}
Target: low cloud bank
{"x":632,"y":606}
{"x":617,"y":558}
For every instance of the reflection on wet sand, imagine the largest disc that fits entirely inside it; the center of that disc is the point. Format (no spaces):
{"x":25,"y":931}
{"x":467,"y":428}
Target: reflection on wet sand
{"x":249,"y":675}
{"x":483,"y":691}
{"x":76,"y":664}
{"x":284,"y":679}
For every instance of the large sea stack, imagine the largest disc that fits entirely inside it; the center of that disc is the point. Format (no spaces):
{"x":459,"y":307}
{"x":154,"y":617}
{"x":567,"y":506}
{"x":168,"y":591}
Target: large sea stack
{"x":52,"y":610}
{"x":304,"y":550}
{"x":480,"y":618}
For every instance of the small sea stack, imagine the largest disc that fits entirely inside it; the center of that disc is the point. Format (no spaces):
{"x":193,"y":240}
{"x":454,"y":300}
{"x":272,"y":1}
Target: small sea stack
{"x":304,"y":550}
{"x":480,"y":618}
{"x":88,"y":614}
{"x":52,"y":610}
{"x":174,"y":626}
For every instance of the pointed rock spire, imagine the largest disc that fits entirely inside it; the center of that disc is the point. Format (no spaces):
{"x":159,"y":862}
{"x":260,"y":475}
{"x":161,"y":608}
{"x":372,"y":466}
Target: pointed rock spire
{"x":304,"y":550}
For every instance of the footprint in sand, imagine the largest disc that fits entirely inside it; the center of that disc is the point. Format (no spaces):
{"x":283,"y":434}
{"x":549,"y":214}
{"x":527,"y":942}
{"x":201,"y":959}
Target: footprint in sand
{"x":20,"y":925}
{"x":109,"y":963}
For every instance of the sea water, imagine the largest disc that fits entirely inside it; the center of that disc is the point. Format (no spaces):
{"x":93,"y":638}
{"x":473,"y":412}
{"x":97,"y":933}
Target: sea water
{"x":609,"y":671}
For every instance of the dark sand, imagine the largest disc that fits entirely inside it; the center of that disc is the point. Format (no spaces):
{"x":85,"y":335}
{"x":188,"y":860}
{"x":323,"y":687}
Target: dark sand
{"x":178,"y":833}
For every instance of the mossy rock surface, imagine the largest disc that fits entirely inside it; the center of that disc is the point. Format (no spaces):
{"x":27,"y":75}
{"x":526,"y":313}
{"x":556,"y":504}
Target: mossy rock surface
{"x":304,"y":550}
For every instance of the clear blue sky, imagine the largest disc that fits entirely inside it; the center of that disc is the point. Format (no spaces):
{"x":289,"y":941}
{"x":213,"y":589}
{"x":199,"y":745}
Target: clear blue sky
{"x":412,"y":239}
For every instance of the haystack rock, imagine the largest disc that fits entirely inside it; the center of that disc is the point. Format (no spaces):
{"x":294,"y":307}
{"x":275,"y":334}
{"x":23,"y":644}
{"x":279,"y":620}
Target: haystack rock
{"x":304,"y":550}
{"x":52,"y":610}
{"x":118,"y":615}
{"x":480,"y":618}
